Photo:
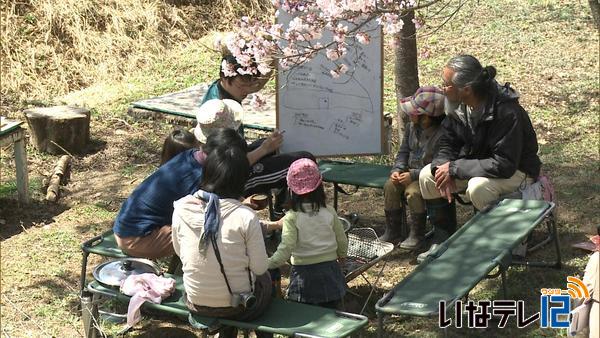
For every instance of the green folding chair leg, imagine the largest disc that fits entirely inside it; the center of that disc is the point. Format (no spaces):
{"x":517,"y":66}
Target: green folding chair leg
{"x":103,"y":245}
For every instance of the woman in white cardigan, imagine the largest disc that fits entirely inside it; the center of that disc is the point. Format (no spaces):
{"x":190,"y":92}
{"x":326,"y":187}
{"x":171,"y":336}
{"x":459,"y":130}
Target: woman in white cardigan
{"x":214,"y":218}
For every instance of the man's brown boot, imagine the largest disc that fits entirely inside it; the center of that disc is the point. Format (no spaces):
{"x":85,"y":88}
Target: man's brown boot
{"x":394,"y":224}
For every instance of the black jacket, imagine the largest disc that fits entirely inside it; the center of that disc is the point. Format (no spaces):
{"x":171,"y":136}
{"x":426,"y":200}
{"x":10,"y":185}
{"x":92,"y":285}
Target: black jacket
{"x":502,"y":142}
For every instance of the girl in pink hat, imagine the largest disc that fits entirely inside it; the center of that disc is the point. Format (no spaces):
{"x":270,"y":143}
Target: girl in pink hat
{"x":314,"y":238}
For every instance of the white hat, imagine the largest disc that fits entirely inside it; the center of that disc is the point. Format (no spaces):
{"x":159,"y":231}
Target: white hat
{"x":217,"y":113}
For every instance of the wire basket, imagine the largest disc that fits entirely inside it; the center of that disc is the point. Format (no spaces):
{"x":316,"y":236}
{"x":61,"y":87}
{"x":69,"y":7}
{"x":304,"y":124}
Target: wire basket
{"x":364,"y":249}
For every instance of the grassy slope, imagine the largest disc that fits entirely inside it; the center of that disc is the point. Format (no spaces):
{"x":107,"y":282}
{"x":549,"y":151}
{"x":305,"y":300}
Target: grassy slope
{"x":549,"y":52}
{"x":547,"y":49}
{"x":52,"y":48}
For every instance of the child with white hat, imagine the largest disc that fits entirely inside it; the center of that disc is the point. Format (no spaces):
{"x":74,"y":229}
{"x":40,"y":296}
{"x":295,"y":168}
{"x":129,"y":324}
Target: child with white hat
{"x":215,"y":114}
{"x":268,"y":168}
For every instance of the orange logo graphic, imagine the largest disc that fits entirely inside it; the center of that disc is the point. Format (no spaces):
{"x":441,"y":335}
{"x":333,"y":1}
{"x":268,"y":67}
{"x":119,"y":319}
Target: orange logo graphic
{"x":576,"y":289}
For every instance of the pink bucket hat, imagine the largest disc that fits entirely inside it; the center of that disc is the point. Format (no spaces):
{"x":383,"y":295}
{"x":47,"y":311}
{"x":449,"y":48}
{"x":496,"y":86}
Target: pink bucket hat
{"x":303,"y":176}
{"x":217,"y":114}
{"x":426,"y":101}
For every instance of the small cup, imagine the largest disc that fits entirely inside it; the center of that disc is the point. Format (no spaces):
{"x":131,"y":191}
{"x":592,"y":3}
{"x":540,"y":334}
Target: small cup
{"x":261,"y":201}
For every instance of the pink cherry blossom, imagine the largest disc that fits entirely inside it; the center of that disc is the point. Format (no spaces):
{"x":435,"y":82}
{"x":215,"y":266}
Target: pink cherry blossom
{"x":228,"y":69}
{"x":339,"y":70}
{"x":258,"y":101}
{"x":343,"y":68}
{"x":332,"y":54}
{"x":363,"y":38}
{"x":418,"y":23}
{"x":264,"y":68}
{"x":256,"y":44}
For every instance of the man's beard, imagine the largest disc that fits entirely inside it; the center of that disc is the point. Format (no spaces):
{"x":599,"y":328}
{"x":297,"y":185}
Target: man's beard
{"x":450,"y":106}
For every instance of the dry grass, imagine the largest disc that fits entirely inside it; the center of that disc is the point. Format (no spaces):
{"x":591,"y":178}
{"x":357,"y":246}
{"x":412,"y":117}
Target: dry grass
{"x":50,"y":48}
{"x":548,"y":49}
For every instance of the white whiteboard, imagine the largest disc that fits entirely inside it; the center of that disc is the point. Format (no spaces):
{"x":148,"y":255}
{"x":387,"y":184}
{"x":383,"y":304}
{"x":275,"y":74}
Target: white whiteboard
{"x":334,"y":116}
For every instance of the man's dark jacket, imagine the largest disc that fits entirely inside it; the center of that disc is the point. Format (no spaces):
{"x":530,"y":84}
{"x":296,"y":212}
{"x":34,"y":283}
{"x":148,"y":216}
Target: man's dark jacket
{"x":502,"y":142}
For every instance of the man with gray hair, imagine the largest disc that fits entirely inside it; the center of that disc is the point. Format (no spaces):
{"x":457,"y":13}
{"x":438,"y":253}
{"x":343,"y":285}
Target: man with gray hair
{"x":488,"y":147}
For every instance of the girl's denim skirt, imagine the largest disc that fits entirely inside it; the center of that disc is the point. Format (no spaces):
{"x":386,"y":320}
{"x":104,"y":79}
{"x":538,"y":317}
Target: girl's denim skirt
{"x":316,"y":283}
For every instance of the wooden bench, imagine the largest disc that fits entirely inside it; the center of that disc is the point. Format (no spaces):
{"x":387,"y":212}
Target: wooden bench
{"x":12,"y":133}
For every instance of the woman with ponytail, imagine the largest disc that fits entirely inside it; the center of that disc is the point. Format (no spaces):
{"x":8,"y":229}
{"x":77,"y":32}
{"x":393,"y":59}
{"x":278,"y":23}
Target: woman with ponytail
{"x":488,"y":146}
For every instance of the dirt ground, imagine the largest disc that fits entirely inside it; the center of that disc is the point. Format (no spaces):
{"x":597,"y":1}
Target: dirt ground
{"x":547,"y":49}
{"x":47,"y":236}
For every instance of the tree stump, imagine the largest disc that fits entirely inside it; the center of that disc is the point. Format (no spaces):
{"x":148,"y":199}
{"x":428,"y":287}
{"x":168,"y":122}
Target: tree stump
{"x":61,"y":126}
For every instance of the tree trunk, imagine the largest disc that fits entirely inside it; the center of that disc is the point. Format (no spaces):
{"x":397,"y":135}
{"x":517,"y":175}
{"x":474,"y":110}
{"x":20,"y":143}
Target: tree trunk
{"x":56,"y":128}
{"x":595,"y":8}
{"x":406,"y":70}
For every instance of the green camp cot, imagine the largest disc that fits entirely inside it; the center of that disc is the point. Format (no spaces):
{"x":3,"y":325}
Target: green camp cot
{"x":282,"y":317}
{"x":459,"y":264}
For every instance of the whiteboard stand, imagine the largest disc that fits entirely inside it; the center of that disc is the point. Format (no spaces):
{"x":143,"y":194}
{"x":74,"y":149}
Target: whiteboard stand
{"x":330,"y":116}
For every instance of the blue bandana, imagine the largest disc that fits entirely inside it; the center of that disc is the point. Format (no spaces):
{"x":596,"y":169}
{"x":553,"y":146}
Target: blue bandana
{"x":211,"y":217}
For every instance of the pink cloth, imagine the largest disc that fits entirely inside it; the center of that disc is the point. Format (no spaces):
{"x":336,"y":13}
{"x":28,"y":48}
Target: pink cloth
{"x":596,"y":241}
{"x":145,"y":287}
{"x":548,"y":188}
{"x":200,"y":156}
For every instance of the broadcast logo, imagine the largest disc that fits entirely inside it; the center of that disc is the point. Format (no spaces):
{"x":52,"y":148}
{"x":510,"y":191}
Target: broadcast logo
{"x":555,"y":304}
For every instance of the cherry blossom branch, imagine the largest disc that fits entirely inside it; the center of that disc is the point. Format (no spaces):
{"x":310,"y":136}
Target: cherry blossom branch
{"x":258,"y":44}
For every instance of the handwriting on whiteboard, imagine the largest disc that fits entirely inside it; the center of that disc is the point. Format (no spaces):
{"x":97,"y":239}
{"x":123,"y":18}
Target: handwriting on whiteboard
{"x":327,"y":115}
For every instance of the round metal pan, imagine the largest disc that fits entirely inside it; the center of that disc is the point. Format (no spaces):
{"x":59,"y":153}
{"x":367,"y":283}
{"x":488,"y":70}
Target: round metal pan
{"x":112,"y":273}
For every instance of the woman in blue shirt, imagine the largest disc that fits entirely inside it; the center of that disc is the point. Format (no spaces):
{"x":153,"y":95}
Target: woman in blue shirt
{"x":143,"y":225}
